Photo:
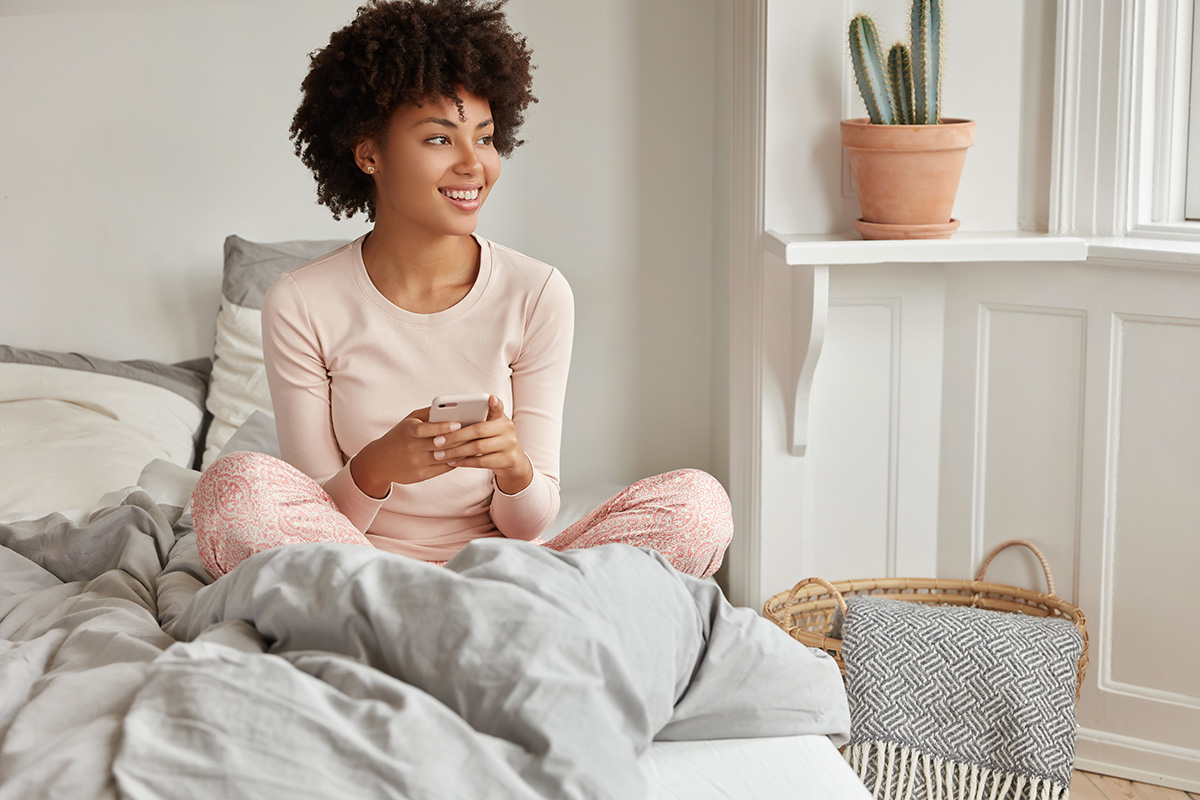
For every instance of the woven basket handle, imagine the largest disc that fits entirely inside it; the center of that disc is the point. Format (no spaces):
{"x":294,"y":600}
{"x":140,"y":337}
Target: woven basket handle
{"x":1025,"y":542}
{"x":829,"y":587}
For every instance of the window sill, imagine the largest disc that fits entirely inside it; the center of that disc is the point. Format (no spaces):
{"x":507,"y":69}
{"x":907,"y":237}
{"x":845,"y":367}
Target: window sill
{"x":1144,"y":252}
{"x":832,"y":249}
{"x":850,"y":248}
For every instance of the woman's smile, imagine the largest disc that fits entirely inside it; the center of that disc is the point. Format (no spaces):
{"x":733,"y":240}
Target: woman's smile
{"x":468,"y":199}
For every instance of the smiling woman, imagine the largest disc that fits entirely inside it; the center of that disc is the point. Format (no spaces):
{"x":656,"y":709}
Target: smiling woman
{"x":404,"y":117}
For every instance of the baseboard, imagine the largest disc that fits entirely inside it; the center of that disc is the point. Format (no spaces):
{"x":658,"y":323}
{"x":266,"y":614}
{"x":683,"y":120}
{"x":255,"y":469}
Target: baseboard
{"x":1137,"y":759}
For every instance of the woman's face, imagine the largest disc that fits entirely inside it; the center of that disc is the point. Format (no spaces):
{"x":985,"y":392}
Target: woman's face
{"x":435,"y":169}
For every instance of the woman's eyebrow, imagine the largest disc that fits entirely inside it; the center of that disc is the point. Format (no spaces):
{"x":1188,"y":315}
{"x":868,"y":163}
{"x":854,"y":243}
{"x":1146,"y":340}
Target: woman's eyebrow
{"x":445,"y":123}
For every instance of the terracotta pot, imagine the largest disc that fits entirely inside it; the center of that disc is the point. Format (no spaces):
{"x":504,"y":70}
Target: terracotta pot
{"x":907,"y":176}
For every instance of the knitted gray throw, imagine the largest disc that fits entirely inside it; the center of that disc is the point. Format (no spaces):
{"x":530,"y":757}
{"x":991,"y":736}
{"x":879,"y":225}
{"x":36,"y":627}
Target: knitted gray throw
{"x":950,"y":702}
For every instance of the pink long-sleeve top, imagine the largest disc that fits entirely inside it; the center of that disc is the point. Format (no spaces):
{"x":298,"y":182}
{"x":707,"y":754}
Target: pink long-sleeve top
{"x":344,"y":365}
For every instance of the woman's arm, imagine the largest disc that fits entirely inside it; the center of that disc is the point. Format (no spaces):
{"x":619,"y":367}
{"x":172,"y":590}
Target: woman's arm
{"x":539,"y":387}
{"x":300,"y":395}
{"x":523,"y":451}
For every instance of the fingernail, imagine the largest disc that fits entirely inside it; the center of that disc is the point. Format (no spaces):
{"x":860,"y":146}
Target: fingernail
{"x":452,"y":463}
{"x":439,"y":441}
{"x":455,"y":426}
{"x":439,"y":453}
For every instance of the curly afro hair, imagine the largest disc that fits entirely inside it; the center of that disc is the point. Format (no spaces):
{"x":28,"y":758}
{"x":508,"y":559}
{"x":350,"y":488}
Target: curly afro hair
{"x":404,"y":52}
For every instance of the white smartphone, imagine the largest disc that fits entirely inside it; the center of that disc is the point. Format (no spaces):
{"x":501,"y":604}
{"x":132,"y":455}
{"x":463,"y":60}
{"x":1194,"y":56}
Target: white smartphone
{"x":465,"y":409}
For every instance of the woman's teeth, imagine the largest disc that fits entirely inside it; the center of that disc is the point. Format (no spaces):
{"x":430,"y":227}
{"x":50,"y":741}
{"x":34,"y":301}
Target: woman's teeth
{"x":455,"y":194}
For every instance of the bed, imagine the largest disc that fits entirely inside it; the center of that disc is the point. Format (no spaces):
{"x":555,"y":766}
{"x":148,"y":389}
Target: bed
{"x":327,"y":670}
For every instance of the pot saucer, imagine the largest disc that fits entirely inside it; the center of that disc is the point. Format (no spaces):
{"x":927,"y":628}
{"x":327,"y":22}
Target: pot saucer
{"x":880,"y":230}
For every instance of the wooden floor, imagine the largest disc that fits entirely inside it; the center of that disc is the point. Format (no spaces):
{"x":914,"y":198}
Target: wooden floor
{"x":1089,"y":786}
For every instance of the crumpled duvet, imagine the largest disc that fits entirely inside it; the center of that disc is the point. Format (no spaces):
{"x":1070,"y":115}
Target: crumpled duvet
{"x":331,"y":670}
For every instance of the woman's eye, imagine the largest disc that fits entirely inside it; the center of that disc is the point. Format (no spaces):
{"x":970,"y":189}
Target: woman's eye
{"x":438,"y":140}
{"x":486,"y":140}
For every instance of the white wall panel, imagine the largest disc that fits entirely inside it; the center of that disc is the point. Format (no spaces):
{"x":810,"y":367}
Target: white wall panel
{"x":872,"y":463}
{"x":1139,"y":715}
{"x":1070,"y":418}
{"x":1029,"y":423}
{"x":785,"y":551}
{"x":1013,"y":421}
{"x":852,"y":455}
{"x":1155,"y":475}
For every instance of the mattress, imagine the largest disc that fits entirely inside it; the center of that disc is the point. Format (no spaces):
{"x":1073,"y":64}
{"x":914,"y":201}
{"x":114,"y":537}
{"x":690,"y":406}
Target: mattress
{"x":792,"y":767}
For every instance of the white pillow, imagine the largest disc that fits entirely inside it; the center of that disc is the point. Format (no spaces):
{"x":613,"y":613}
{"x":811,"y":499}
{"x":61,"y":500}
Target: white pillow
{"x":69,"y":436}
{"x":239,"y":382}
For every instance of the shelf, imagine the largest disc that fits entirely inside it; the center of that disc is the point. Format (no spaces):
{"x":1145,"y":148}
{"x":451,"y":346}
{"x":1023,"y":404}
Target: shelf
{"x":813,"y":254}
{"x":830,"y":249}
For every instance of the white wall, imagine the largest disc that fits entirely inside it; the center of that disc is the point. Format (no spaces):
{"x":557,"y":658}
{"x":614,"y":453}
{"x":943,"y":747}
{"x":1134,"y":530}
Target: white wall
{"x":136,"y":134}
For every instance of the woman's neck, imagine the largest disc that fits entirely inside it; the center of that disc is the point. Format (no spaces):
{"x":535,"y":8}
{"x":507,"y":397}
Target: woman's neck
{"x":423,"y":275}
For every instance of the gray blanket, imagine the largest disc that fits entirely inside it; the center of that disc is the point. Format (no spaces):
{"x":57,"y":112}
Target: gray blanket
{"x":951,"y":702}
{"x":326,"y":670}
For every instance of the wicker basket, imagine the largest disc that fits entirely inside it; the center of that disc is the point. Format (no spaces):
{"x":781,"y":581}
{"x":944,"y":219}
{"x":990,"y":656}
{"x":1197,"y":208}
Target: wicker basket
{"x":807,"y":611}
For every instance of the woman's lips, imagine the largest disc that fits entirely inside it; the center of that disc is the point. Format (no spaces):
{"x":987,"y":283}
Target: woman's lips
{"x":464,"y":199}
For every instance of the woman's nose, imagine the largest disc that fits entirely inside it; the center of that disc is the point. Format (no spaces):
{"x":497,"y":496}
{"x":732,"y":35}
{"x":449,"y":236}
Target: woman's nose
{"x":468,"y":160}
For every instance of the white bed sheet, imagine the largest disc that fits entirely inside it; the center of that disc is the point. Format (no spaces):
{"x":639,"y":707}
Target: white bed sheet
{"x":781,"y":768}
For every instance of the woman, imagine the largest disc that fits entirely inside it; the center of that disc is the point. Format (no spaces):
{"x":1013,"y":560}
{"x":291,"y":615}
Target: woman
{"x":404,"y":117}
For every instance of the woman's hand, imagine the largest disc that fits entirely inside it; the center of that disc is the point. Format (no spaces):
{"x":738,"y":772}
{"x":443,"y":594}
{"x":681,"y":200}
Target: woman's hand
{"x":491,"y":444}
{"x":405,"y":454}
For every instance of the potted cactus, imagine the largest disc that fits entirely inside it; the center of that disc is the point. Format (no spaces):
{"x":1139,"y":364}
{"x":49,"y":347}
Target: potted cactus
{"x":906,"y":158}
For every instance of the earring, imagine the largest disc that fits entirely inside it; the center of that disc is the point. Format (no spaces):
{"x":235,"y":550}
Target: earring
{"x":370,"y":170}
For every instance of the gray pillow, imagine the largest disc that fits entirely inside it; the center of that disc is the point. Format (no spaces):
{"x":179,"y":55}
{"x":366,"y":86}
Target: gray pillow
{"x":251,"y":267}
{"x":188,"y":379}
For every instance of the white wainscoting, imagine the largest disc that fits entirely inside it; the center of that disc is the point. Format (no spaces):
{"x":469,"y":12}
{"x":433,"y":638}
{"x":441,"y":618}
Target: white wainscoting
{"x":958,"y":405}
{"x":872,"y":461}
{"x":1072,"y":418}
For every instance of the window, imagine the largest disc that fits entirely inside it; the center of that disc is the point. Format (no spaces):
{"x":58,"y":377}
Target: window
{"x":1122,"y":122}
{"x":1164,"y":33}
{"x":1192,"y":200}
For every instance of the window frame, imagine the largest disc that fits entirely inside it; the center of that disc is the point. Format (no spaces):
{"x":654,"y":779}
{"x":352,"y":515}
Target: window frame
{"x":1192,"y":190}
{"x":1120,"y":143}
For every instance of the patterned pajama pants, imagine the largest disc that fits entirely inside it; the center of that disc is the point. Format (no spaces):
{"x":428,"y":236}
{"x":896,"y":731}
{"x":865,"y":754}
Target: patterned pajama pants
{"x":249,"y":502}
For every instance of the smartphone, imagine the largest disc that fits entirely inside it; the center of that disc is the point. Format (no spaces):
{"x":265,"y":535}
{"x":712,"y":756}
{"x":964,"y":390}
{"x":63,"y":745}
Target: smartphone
{"x":465,"y":409}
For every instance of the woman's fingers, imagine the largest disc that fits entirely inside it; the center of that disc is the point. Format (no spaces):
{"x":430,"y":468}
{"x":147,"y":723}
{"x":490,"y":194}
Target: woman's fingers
{"x":406,"y":453}
{"x":419,"y":426}
{"x":491,"y":444}
{"x":470,"y":449}
{"x":495,"y":407}
{"x":495,"y":452}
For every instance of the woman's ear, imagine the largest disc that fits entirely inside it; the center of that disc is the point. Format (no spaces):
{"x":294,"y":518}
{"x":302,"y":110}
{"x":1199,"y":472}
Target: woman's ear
{"x":364,"y":156}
